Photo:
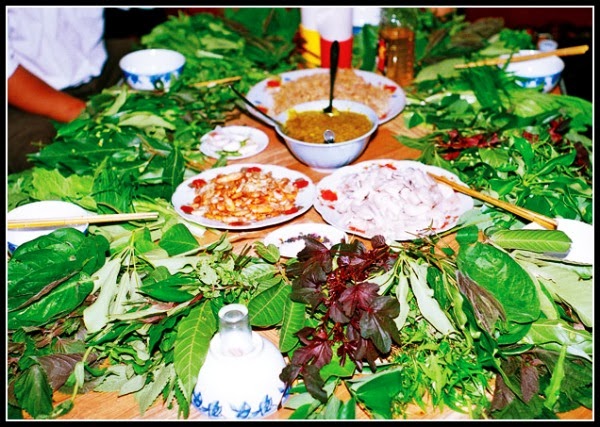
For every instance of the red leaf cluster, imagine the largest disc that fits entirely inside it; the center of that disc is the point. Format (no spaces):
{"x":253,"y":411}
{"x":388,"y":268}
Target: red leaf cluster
{"x":352,"y":317}
{"x":456,"y":143}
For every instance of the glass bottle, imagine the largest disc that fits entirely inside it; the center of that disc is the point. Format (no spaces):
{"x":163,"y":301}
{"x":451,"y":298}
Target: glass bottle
{"x":235,"y":331}
{"x":397,"y":43}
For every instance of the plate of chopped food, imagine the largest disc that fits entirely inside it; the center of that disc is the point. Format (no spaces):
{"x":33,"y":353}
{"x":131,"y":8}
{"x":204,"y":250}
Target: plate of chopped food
{"x":393,"y":198}
{"x":234,"y":142}
{"x":290,"y":240}
{"x":279,"y":93}
{"x":244,"y":196}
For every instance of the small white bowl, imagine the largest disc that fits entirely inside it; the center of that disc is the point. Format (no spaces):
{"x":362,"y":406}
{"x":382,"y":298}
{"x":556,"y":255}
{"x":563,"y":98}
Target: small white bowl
{"x":290,"y":239}
{"x":41,"y":210}
{"x":152,"y":69}
{"x":544,"y":72}
{"x":325,"y":157}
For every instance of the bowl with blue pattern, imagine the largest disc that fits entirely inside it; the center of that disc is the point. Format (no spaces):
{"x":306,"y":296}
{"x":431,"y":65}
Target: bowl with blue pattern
{"x":542,"y":73}
{"x":41,"y":210}
{"x":152,"y":69}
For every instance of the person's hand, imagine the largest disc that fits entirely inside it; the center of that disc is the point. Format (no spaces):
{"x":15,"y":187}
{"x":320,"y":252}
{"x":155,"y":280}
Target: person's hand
{"x":441,"y":11}
{"x":27,"y":92}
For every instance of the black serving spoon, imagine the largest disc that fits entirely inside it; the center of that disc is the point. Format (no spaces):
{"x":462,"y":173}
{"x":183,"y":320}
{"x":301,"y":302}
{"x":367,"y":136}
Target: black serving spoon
{"x":333,"y":65}
{"x":247,"y":101}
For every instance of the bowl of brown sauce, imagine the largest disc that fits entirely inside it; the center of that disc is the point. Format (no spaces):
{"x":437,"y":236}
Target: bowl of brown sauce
{"x":352,"y":123}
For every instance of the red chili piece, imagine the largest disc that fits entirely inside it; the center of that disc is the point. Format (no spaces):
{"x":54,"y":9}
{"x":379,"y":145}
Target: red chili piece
{"x":198,"y":183}
{"x":301,"y":183}
{"x":329,"y":195}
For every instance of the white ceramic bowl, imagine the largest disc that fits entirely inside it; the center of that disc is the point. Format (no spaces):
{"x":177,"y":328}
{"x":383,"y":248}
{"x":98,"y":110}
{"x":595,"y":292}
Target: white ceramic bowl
{"x":41,"y":210}
{"x":544,"y":72}
{"x":152,"y":69}
{"x":326,"y":157}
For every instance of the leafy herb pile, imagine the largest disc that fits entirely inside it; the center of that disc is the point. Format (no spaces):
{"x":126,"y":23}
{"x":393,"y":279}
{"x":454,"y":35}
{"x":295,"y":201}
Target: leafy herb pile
{"x":491,"y":326}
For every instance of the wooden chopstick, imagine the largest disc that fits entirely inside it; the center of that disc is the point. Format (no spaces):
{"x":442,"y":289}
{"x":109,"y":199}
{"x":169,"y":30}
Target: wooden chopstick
{"x":543,"y":220}
{"x":211,"y":83}
{"x":567,"y":51}
{"x":90,"y":219}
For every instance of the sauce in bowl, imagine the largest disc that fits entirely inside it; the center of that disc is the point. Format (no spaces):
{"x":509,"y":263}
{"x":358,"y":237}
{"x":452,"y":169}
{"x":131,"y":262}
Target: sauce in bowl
{"x":308,"y":126}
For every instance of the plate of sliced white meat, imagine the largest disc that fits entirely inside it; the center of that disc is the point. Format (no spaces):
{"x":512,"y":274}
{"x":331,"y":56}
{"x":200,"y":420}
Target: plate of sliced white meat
{"x":393,"y":198}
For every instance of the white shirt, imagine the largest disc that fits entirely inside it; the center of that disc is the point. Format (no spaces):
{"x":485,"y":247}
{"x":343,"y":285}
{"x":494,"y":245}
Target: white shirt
{"x":63,"y":46}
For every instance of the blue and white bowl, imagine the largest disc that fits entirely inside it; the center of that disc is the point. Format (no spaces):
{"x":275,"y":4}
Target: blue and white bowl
{"x":542,"y":72}
{"x":45,"y":209}
{"x":152,"y":69}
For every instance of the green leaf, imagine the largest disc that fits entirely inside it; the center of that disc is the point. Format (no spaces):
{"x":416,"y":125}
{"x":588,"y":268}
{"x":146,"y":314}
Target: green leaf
{"x":377,"y":391}
{"x":532,"y":240}
{"x":95,"y":316}
{"x":169,"y":289}
{"x":161,"y":376}
{"x":269,"y":253}
{"x":567,"y":286}
{"x":266,"y":308}
{"x":552,"y":391}
{"x":34,"y":392}
{"x":555,"y":334}
{"x":177,"y":240}
{"x":194,"y":333}
{"x":497,"y":272}
{"x":293,"y":321}
{"x":335,"y":368}
{"x":429,"y":306}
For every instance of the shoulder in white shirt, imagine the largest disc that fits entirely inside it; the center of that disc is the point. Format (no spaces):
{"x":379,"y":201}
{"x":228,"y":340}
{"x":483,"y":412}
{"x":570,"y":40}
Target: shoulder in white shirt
{"x":63,"y":46}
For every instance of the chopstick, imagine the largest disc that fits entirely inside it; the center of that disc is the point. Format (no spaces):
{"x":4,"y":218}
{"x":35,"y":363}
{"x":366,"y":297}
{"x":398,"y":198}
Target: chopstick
{"x":543,"y":220}
{"x":567,"y":51}
{"x":89,"y":219}
{"x":211,"y":83}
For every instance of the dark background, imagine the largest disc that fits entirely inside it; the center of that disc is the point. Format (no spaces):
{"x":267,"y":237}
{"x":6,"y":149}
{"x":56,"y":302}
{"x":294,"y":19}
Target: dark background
{"x":568,"y":26}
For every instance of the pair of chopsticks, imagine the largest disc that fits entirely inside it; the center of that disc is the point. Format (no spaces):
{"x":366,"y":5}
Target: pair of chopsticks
{"x":212,"y":83}
{"x":567,"y":51}
{"x":89,"y":219}
{"x":543,"y":220}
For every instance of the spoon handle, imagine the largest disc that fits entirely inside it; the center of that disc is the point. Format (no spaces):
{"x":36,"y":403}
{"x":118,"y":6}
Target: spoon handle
{"x":333,"y":65}
{"x":248,"y":102}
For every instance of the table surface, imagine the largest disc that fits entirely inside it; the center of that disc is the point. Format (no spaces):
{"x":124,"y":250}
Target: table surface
{"x":110,"y":406}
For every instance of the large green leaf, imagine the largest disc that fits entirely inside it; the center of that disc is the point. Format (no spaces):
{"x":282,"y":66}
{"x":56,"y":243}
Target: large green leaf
{"x":497,"y":272}
{"x":194,"y":333}
{"x":293,"y":321}
{"x":266,"y":308}
{"x":377,"y":391}
{"x":177,"y":240}
{"x":533,"y":240}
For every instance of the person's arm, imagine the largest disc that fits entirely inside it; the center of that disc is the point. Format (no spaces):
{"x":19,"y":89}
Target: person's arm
{"x":27,"y":92}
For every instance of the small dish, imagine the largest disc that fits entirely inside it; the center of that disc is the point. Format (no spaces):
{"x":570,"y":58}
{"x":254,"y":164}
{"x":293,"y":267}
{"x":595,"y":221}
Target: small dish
{"x":582,"y":240}
{"x":38,"y":210}
{"x":152,"y":69}
{"x":542,"y":72}
{"x":290,"y":239}
{"x":234,"y":142}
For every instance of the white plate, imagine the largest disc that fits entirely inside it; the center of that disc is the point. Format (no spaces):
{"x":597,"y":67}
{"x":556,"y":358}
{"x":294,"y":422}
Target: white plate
{"x":235,"y":142}
{"x":261,"y":93}
{"x":390,"y":223}
{"x":582,"y":240}
{"x":289,"y":239}
{"x":184,"y":194}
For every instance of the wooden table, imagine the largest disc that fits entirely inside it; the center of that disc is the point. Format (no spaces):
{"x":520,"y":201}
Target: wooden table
{"x":109,"y":406}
